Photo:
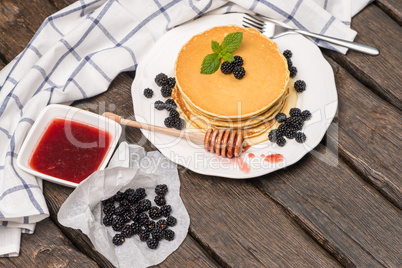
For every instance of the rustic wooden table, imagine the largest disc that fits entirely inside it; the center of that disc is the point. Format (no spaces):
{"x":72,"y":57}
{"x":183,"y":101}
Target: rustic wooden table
{"x":339,"y":209}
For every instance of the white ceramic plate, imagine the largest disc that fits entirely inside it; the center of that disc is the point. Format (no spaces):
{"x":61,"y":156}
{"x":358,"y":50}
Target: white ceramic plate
{"x":320,"y":98}
{"x":66,"y":112}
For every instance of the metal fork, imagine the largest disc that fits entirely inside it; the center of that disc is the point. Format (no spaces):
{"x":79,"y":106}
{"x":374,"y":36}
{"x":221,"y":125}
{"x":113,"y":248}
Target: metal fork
{"x":273,"y":29}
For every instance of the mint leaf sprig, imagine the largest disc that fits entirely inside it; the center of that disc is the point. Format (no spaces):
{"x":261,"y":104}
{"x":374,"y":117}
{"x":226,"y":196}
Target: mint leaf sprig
{"x":224,"y":51}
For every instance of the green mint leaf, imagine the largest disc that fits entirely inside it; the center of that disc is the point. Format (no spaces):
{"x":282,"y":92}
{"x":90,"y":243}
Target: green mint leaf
{"x":232,"y":41}
{"x":210,"y":63}
{"x":216,"y":47}
{"x":228,"y":57}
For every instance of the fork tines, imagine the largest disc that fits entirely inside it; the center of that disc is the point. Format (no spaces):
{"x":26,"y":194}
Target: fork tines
{"x":250,"y":21}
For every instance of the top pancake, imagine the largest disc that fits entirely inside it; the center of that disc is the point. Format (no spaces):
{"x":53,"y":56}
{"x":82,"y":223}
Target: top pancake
{"x":223,"y":95}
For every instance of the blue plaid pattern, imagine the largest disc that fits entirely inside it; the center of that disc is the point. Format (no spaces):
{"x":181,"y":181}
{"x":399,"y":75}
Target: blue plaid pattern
{"x":78,"y":51}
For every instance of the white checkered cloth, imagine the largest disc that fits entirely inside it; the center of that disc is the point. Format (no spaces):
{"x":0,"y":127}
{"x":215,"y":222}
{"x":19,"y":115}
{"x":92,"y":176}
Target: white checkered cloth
{"x":78,"y":51}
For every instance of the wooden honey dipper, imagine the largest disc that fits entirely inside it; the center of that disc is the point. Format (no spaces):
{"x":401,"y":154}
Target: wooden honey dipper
{"x":223,"y":142}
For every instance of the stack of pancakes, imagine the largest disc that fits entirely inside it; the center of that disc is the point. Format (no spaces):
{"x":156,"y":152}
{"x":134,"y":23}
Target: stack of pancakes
{"x":221,"y":101}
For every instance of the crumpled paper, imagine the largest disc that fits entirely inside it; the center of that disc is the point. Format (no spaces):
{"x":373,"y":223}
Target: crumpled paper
{"x":130,"y":167}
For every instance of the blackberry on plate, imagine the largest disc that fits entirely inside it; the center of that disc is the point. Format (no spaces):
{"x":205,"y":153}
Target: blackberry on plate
{"x":171,"y":82}
{"x":143,"y":235}
{"x":295,"y":122}
{"x":169,"y":235}
{"x":287,"y":54}
{"x":162,"y":224}
{"x":293,"y":71}
{"x":290,"y":133}
{"x":170,"y":104}
{"x":171,"y":221}
{"x":118,"y":239}
{"x":149,"y":226}
{"x":239,"y":72}
{"x":169,"y":122}
{"x":300,"y":137}
{"x":238,"y":61}
{"x":226,"y":67}
{"x":152,"y":243}
{"x":295,"y":112}
{"x":174,"y":113}
{"x":306,"y":115}
{"x":166,"y":91}
{"x":179,"y":123}
{"x":281,"y":141}
{"x":148,"y":93}
{"x":272,"y":136}
{"x":165,"y":210}
{"x":157,"y":233}
{"x":154,"y":213}
{"x":300,"y":86}
{"x":280,"y":117}
{"x":160,"y":200}
{"x":290,"y":63}
{"x":107,"y":220}
{"x":159,"y":105}
{"x":127,"y":231}
{"x":281,"y":130}
{"x":161,"y":189}
{"x":161,"y":80}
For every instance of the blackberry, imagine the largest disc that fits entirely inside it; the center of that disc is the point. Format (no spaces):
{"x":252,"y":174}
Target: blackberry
{"x":160,"y":200}
{"x":171,"y":221}
{"x":140,"y":192}
{"x":161,"y":189}
{"x":170,"y":104}
{"x":295,"y":123}
{"x":300,"y":137}
{"x":162,"y":224}
{"x":149,"y":226}
{"x":127,"y":216}
{"x":174,"y":113}
{"x":300,"y":86}
{"x":290,"y":63}
{"x":166,"y":91}
{"x":107,"y":220}
{"x":179,"y":123}
{"x":290,"y":133}
{"x":148,"y":93}
{"x":161,"y":80}
{"x":124,"y":204}
{"x":293,"y":71}
{"x":287,"y":54}
{"x":281,"y":141}
{"x":108,"y":209}
{"x":141,"y":218}
{"x":110,"y":200}
{"x":157,"y":233}
{"x":129,"y":191}
{"x":227,"y":67}
{"x":280,"y":117}
{"x":165,"y":210}
{"x":272,"y":136}
{"x":118,"y":226}
{"x":306,"y":115}
{"x":169,"y":122}
{"x":238,"y":61}
{"x":119,"y":210}
{"x":281,"y":130}
{"x":152,"y":243}
{"x":171,"y":82}
{"x":239,"y":72}
{"x":169,"y":235}
{"x":127,"y":231}
{"x":154,"y":213}
{"x":142,"y":206}
{"x":136,"y":227}
{"x":159,"y":105}
{"x":118,"y":239}
{"x":295,"y":112}
{"x":143,"y":235}
{"x":119,"y":196}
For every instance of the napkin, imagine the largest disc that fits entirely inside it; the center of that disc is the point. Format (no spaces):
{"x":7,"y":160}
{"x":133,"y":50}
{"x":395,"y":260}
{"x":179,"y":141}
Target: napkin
{"x":132,"y":168}
{"x":78,"y":51}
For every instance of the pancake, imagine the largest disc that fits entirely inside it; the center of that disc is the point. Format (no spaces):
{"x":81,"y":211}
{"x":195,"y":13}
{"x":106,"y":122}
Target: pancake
{"x":220,"y":95}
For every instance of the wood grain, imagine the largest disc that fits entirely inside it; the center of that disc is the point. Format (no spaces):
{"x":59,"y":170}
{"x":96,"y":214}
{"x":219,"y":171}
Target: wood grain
{"x":339,"y":210}
{"x":379,"y":73}
{"x":47,"y":247}
{"x":393,"y":8}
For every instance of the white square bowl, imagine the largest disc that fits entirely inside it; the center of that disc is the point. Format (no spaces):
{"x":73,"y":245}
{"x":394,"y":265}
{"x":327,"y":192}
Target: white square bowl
{"x":65,"y":112}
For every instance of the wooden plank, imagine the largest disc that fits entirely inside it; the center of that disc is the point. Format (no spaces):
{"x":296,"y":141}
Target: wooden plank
{"x":47,"y":247}
{"x":380,"y":73}
{"x":60,"y":4}
{"x":339,"y":210}
{"x":368,"y":135}
{"x":393,"y":8}
{"x":19,"y":20}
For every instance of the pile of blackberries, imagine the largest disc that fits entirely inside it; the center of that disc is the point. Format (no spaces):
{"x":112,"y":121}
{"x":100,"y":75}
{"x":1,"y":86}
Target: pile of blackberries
{"x":129,"y":214}
{"x":290,"y":127}
{"x":235,"y":67}
{"x":292,"y":69}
